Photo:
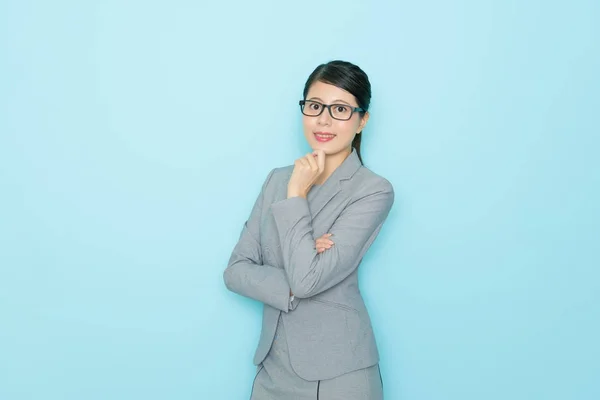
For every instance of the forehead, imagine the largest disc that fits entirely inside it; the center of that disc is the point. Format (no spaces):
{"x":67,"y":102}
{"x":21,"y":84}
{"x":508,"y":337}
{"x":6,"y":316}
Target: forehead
{"x":329,"y":93}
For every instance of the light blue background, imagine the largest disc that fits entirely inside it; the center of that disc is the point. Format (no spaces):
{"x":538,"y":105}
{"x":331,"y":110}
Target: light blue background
{"x":134,"y":137}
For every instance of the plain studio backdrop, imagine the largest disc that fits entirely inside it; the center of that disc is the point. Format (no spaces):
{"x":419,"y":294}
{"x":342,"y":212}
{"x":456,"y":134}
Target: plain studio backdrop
{"x":135,"y":136}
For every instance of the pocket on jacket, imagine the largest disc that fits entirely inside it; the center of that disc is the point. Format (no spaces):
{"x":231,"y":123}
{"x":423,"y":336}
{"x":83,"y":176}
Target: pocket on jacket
{"x":333,"y":304}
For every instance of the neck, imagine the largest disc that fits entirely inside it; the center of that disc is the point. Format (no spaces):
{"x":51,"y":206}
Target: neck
{"x":332,"y":161}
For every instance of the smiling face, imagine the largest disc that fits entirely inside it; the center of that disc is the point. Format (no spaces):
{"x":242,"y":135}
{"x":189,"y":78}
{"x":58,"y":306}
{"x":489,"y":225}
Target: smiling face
{"x":326,"y":133}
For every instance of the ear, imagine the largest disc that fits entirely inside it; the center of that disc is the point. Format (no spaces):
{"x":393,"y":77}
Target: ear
{"x":363,"y":122}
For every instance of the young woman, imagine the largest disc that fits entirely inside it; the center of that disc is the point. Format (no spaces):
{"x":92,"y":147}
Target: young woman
{"x":299,"y":251}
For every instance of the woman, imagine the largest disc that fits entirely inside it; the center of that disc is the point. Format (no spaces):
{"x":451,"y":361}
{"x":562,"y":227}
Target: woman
{"x":299,"y":251}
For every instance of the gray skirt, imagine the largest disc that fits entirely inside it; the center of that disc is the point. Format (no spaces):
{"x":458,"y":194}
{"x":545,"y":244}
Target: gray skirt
{"x":276,"y":380}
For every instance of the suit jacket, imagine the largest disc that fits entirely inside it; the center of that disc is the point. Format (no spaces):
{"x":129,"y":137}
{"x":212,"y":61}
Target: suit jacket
{"x":328,"y":327}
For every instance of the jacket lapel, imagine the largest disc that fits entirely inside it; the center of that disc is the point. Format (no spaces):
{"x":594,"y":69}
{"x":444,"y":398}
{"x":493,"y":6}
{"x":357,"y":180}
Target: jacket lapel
{"x":333,"y":185}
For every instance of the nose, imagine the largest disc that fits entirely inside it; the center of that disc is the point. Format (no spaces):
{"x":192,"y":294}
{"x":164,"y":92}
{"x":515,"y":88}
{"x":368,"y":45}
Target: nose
{"x":324,"y":118}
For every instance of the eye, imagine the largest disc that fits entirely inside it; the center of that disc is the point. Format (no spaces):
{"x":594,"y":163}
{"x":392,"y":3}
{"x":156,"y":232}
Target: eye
{"x":315,"y":106}
{"x":341,"y":109}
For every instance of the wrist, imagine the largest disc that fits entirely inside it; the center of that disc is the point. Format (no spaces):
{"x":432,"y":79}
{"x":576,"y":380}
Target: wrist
{"x":295,"y":193}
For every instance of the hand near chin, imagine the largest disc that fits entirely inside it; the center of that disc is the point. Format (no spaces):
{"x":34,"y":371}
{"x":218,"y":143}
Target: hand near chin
{"x":307,"y":171}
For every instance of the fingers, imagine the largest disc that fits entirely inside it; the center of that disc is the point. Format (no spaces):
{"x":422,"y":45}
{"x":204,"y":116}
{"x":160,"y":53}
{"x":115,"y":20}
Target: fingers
{"x":319,"y":155}
{"x":321,"y":249}
{"x":302,"y":162}
{"x":310,"y":158}
{"x":323,"y":243}
{"x":308,"y":161}
{"x":314,"y":161}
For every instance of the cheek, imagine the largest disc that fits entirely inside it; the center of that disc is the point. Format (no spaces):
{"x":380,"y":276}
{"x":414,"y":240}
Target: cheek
{"x":308,"y":123}
{"x":347,"y":128}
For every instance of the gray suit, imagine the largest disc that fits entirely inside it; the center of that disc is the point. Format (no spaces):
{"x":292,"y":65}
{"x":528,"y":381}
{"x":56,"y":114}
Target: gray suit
{"x":327,"y":327}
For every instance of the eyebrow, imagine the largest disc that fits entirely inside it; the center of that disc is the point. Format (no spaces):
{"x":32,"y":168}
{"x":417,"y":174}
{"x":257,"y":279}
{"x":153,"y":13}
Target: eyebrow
{"x":337,"y":101}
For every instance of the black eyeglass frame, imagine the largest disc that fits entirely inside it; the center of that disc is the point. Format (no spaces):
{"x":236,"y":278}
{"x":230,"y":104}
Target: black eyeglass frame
{"x":302,"y":103}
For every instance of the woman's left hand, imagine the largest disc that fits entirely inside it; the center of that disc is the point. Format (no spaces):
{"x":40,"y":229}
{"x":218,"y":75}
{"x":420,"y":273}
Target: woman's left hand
{"x":323,"y":243}
{"x":307,"y":171}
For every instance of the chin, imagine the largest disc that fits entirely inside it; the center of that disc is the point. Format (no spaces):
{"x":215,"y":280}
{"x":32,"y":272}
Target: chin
{"x":329,"y":148}
{"x":324,"y":148}
{"x":329,"y":151}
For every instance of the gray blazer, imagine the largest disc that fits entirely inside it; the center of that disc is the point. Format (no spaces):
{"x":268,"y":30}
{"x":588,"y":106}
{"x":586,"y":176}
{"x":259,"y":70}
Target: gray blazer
{"x":327,"y":325}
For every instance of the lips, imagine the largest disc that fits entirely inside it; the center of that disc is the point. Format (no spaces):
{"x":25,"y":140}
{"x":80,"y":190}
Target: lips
{"x":324,"y":136}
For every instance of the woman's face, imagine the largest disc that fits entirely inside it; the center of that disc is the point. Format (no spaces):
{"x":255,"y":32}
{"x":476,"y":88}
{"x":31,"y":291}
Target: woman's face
{"x":324,"y":132}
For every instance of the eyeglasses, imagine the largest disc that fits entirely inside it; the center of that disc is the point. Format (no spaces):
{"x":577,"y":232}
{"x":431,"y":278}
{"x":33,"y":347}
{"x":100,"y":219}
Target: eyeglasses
{"x":342,"y":112}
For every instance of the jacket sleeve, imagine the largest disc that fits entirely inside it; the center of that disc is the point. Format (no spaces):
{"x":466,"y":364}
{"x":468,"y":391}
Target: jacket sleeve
{"x":245,"y":273}
{"x":310,"y":273}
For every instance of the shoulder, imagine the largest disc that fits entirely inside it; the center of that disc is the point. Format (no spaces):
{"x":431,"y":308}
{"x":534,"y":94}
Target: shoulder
{"x":366,"y":182}
{"x":279,"y":174}
{"x":363,"y":182}
{"x":276,"y":176}
{"x":283,"y":172}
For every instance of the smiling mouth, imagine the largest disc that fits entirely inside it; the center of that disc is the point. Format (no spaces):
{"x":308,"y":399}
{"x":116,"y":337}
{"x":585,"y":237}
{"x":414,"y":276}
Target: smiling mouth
{"x":324,"y":136}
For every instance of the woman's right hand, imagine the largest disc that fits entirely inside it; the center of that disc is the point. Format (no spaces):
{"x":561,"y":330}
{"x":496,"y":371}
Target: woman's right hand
{"x":323,"y":243}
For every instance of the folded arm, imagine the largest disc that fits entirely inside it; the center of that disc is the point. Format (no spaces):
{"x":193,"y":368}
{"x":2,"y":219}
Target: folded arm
{"x":309,"y":272}
{"x":245,"y":273}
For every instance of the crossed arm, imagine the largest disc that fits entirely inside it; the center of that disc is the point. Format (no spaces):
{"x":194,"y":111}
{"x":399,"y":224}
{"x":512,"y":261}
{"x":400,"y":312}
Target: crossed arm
{"x":246,"y":274}
{"x":310,"y":267}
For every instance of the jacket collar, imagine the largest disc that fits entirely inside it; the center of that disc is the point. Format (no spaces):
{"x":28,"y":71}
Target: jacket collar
{"x":332,"y":186}
{"x":347,"y":168}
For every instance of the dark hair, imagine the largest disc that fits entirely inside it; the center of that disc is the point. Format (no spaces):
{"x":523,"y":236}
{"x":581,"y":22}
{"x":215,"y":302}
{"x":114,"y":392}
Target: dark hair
{"x":348,"y":77}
